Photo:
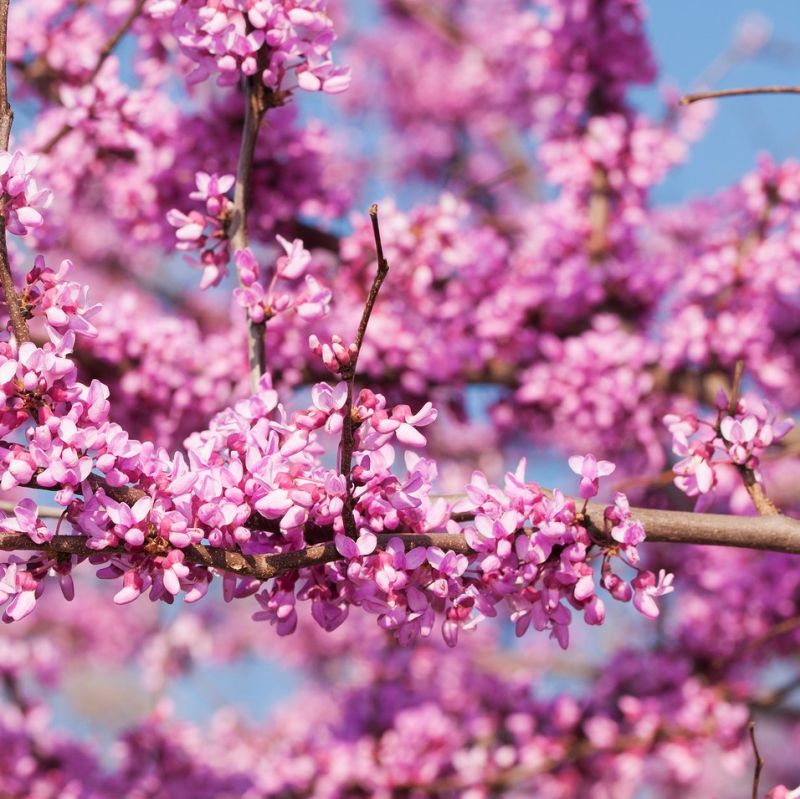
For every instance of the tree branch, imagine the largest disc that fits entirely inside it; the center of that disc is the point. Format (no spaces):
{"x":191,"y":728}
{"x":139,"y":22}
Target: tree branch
{"x":18,"y":323}
{"x":776,"y":533}
{"x":763,"y":504}
{"x":759,"y":760}
{"x":262,"y":567}
{"x":349,"y":424}
{"x":258,"y":100}
{"x":599,"y":213}
{"x":6,"y":114}
{"x":688,"y":99}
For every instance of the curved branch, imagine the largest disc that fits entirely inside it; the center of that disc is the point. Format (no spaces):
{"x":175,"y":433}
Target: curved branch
{"x":349,"y":374}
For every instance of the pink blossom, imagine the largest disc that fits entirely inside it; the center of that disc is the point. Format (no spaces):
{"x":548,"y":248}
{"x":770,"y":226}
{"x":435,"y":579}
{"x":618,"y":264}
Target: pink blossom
{"x":590,"y":470}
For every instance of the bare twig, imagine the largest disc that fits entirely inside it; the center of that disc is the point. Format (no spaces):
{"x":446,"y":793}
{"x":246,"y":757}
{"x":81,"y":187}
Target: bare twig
{"x":6,"y":114}
{"x":15,"y":310}
{"x":711,"y":95}
{"x":258,"y":100}
{"x":759,"y":760}
{"x":763,"y":504}
{"x":736,"y":387}
{"x":349,"y":374}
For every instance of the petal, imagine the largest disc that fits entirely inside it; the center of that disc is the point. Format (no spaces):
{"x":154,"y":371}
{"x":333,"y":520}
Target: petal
{"x":409,"y":436}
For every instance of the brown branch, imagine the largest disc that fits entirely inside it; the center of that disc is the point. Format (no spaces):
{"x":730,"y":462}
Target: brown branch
{"x":262,"y":567}
{"x":599,"y":213}
{"x":15,"y":310}
{"x":759,"y":760}
{"x":105,"y":52}
{"x":258,"y":99}
{"x":693,"y":98}
{"x":763,"y":504}
{"x":349,"y":423}
{"x":736,"y":387}
{"x":6,"y":114}
{"x":777,"y":533}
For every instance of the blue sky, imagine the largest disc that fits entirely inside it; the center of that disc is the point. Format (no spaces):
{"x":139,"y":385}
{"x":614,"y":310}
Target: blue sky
{"x":687,"y":38}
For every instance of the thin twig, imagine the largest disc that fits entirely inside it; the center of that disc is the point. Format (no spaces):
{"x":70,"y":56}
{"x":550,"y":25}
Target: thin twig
{"x":711,"y":95}
{"x":6,"y":114}
{"x":350,"y":423}
{"x":105,"y":52}
{"x":15,"y":310}
{"x":736,"y":389}
{"x":258,"y":99}
{"x":763,"y":504}
{"x":759,"y":760}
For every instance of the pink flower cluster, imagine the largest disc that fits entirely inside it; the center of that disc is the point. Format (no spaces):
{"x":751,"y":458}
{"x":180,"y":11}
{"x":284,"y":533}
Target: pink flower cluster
{"x":63,"y":306}
{"x":257,"y":37}
{"x":737,"y":438}
{"x":22,"y":200}
{"x":254,"y":482}
{"x":262,"y":302}
{"x":207,"y":231}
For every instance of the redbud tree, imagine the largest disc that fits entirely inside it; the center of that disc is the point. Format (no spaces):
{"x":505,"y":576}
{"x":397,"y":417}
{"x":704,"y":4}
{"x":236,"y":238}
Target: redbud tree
{"x":225,"y":376}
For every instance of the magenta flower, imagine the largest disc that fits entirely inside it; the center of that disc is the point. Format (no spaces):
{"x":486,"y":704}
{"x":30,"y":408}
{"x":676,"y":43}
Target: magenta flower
{"x":590,"y":470}
{"x":23,"y":202}
{"x":295,"y":262}
{"x":26,"y":521}
{"x":646,"y":590}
